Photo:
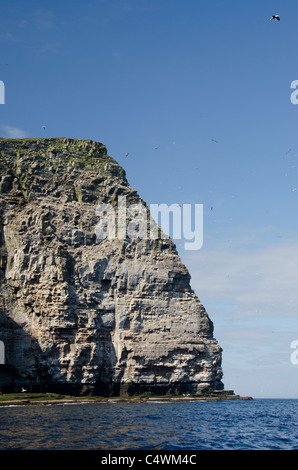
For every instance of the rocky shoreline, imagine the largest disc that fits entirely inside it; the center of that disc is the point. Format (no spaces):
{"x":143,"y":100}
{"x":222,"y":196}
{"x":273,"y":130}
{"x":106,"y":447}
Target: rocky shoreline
{"x":137,"y":399}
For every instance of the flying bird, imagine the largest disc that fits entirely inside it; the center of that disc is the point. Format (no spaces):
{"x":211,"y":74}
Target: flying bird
{"x":24,"y":390}
{"x":275,"y":17}
{"x":44,"y":128}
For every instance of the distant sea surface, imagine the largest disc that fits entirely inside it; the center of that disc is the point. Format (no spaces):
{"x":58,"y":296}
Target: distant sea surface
{"x":198,"y":425}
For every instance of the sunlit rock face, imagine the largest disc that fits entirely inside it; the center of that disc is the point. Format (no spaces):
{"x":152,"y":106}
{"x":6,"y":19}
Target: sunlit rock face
{"x":88,"y":314}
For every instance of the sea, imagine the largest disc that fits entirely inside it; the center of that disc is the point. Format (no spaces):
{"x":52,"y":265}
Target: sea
{"x":175,"y":427}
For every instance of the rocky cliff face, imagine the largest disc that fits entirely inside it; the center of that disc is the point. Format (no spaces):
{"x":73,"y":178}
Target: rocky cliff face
{"x":88,"y":314}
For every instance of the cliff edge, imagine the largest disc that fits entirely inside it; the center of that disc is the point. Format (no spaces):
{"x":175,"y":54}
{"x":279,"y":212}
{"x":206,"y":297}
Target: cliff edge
{"x":85,"y":313}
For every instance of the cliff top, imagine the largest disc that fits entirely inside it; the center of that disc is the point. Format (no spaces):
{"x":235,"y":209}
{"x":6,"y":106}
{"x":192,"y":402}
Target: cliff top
{"x":49,"y":165}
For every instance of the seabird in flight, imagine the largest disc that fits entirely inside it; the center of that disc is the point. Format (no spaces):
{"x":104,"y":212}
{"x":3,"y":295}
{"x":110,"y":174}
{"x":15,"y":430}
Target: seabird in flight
{"x":275,"y":17}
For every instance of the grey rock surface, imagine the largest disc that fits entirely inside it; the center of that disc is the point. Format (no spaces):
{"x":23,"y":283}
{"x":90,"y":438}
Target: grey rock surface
{"x":83,"y":314}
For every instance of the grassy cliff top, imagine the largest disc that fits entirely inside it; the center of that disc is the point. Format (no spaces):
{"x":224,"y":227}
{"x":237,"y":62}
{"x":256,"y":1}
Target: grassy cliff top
{"x":53,"y":150}
{"x":36,"y":163}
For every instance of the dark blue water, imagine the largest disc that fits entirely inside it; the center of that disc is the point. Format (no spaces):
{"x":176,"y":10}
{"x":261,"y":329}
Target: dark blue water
{"x":228,"y":425}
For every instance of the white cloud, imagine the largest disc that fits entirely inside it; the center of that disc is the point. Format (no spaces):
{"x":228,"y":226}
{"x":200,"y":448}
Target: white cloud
{"x":263,"y":279}
{"x":13,"y":132}
{"x":251,"y":295}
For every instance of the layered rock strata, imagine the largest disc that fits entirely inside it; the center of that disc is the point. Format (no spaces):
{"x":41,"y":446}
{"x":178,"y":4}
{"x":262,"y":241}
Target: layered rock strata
{"x":88,"y":314}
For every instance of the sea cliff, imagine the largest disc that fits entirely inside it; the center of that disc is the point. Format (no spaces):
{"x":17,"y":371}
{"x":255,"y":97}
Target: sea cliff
{"x":84,"y":314}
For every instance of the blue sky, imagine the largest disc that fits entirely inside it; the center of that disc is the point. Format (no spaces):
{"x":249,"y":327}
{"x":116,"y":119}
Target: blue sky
{"x":208,"y":83}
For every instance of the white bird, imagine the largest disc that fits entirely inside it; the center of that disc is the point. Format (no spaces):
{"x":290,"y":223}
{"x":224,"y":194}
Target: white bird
{"x":275,"y":17}
{"x":24,"y":390}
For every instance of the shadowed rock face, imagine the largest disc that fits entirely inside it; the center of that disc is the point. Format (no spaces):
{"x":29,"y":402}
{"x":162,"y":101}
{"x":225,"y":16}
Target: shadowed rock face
{"x":88,"y":315}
